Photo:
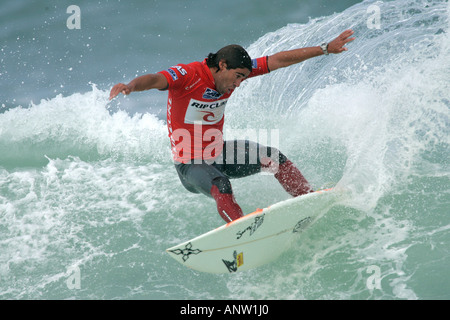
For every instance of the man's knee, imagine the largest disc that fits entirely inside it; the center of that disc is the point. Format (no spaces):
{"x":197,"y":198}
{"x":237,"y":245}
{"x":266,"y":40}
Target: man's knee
{"x":273,"y":154}
{"x":223,"y":184}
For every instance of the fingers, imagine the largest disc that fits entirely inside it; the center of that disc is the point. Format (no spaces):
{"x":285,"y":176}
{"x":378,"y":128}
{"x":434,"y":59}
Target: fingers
{"x":347,"y":33}
{"x":347,"y":41}
{"x":344,"y":36}
{"x":118,"y":88}
{"x":113,"y":94}
{"x":337,"y":45}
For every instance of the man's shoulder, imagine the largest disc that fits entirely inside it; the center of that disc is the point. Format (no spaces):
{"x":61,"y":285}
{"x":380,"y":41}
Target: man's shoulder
{"x":189,"y":67}
{"x":180,"y":73}
{"x":188,"y":76}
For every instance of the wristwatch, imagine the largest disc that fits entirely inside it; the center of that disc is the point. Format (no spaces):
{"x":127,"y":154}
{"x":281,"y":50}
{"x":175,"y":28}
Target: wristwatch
{"x":324,"y":47}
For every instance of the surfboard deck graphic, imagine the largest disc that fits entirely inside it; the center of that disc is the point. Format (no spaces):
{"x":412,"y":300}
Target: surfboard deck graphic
{"x":256,"y":238}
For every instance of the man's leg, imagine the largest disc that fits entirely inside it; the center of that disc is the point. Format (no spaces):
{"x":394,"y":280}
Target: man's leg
{"x":292,"y":180}
{"x":250,"y":157}
{"x":247,"y":159}
{"x":227,"y":206}
{"x":209,"y":180}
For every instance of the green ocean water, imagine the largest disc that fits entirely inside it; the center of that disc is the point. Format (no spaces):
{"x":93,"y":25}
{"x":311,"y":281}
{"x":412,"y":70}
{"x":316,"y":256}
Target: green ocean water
{"x":89,"y":198}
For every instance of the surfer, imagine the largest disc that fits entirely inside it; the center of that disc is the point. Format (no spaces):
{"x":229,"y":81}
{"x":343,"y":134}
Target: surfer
{"x":197,"y":96}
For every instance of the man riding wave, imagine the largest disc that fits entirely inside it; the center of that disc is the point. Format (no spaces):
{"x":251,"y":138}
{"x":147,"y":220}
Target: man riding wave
{"x":197,"y":96}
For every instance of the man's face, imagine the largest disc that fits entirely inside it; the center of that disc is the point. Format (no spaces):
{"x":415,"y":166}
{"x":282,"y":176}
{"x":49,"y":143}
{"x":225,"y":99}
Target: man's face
{"x":229,"y":79}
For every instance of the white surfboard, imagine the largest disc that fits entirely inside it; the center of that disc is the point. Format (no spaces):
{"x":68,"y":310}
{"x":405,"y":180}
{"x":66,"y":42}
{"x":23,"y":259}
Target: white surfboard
{"x":256,"y":238}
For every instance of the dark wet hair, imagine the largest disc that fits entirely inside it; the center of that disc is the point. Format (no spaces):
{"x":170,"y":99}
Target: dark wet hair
{"x":234,"y":55}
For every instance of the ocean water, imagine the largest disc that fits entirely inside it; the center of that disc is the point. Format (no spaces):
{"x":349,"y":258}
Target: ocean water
{"x":89,"y":198}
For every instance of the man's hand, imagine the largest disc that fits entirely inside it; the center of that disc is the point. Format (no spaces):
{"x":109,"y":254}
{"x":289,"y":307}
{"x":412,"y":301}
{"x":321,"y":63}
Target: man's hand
{"x":118,"y":88}
{"x":145,"y":82}
{"x":337,"y":45}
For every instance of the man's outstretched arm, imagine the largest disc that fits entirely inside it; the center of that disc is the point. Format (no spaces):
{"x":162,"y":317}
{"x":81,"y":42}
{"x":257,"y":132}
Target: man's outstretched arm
{"x":145,"y":82}
{"x":286,"y":58}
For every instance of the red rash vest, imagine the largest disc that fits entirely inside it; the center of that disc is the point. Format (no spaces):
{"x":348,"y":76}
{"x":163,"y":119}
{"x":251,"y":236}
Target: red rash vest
{"x":195,"y":110}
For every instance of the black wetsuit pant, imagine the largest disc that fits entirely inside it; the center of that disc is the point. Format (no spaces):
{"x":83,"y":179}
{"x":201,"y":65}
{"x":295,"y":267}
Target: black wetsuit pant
{"x":239,"y":158}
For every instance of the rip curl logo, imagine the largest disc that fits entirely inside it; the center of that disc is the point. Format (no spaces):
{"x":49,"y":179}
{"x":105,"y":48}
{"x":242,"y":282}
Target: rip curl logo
{"x":211,"y":94}
{"x":205,"y":112}
{"x":209,"y":116}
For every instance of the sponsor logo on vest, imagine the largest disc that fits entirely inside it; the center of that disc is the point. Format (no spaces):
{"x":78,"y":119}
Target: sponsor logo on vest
{"x":173,"y":74}
{"x":255,"y":64}
{"x":211,"y":94}
{"x":205,"y":112}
